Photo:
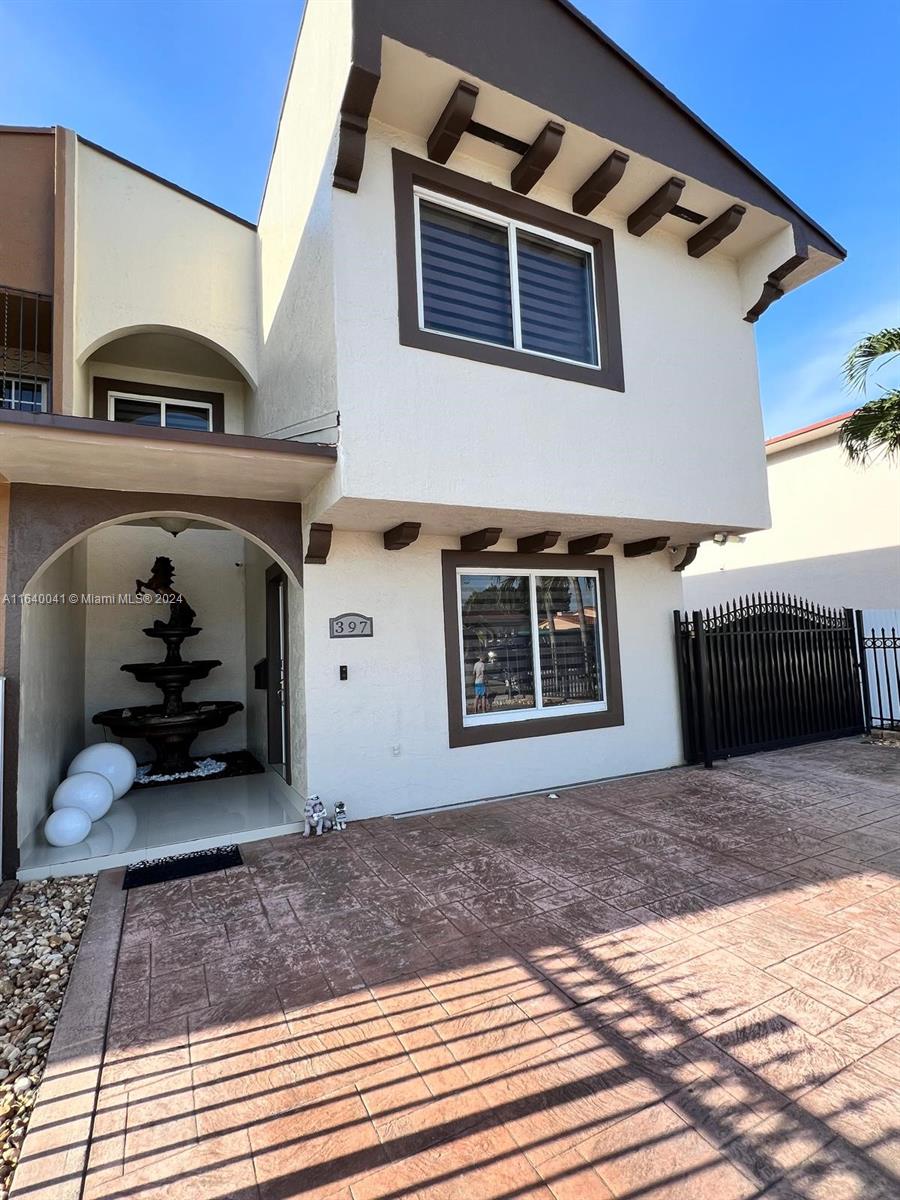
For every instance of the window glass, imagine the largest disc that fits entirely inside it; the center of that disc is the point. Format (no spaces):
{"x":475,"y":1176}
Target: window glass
{"x":138,"y":412}
{"x":569,"y":639}
{"x":498,"y":656}
{"x":465,"y":275}
{"x":556,"y":299}
{"x":185,"y":416}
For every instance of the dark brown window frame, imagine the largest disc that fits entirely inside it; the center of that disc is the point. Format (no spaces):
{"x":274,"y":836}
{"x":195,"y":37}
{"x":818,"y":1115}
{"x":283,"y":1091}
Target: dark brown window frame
{"x":155,"y":391}
{"x":540,"y":726}
{"x":410,"y":171}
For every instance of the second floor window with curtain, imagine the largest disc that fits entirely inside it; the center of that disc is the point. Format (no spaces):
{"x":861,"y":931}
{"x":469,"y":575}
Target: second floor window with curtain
{"x":491,"y":279}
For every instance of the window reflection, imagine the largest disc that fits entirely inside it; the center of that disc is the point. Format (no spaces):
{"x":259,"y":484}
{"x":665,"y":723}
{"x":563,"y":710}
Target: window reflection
{"x":498,"y":657}
{"x":569,"y":639}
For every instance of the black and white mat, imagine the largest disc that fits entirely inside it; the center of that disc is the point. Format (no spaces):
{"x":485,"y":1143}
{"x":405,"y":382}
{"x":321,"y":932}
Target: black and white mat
{"x":181,"y":866}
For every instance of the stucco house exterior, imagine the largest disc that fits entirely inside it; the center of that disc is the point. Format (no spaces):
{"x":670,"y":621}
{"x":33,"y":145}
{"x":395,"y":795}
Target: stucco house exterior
{"x":477,"y":384}
{"x":834,"y":536}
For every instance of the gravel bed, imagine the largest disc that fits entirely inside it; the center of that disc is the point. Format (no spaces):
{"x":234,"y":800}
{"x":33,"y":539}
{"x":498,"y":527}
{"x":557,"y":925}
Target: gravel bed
{"x":40,"y":929}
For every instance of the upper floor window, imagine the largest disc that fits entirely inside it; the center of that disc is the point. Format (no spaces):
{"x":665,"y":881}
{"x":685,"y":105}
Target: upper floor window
{"x":26,"y":395}
{"x":497,"y":280}
{"x":486,"y":274}
{"x":146,"y":410}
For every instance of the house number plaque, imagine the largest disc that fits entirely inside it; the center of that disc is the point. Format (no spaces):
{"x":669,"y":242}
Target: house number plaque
{"x":350,"y":625}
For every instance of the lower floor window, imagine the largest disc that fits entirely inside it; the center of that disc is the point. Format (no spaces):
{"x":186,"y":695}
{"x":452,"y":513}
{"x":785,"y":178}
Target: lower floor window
{"x":530,"y":644}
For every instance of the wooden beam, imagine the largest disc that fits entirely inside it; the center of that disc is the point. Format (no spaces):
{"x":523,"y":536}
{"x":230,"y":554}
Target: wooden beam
{"x":452,"y":122}
{"x":598,"y":186}
{"x":772,"y":289}
{"x":537,"y":542}
{"x":647,"y":546}
{"x":356,"y":105}
{"x":482,"y":539}
{"x":537,"y":158}
{"x":318,"y":543}
{"x":690,"y":553}
{"x":652,"y":211}
{"x":587,"y":545}
{"x":402,"y":535}
{"x":716,"y":231}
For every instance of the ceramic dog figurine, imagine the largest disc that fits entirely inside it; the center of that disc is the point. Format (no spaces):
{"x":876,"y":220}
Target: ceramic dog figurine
{"x":340,"y":815}
{"x":316,"y":817}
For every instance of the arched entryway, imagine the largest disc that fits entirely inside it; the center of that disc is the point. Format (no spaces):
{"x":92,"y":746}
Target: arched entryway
{"x":64,"y":651}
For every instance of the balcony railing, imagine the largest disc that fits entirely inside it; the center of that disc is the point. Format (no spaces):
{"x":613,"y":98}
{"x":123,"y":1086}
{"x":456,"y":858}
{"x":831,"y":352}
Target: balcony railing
{"x":26,"y":330}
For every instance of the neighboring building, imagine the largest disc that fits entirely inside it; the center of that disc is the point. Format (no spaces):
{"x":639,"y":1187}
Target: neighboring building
{"x":835,"y":535}
{"x":483,"y":374}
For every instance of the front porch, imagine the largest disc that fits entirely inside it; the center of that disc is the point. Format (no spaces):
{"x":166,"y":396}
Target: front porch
{"x":684,"y":984}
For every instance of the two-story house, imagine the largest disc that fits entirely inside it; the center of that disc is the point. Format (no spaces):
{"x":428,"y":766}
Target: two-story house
{"x":475,"y":388}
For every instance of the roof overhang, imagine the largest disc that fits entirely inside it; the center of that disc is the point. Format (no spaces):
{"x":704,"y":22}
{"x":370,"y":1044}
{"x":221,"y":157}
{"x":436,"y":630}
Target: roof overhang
{"x":809,"y":433}
{"x":545,"y":66}
{"x":83,"y":452}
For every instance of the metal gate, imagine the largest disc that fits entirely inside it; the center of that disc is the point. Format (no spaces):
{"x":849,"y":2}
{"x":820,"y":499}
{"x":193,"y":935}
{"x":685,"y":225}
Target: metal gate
{"x":766,"y":671}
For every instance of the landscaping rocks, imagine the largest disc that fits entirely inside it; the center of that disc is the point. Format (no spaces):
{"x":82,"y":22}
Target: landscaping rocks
{"x":40,"y":929}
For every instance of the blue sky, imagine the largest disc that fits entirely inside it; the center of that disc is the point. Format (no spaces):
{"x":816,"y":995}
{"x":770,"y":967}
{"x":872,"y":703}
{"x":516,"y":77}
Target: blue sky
{"x":806,"y":89}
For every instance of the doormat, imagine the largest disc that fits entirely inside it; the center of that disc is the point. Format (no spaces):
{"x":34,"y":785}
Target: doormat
{"x":181,"y":866}
{"x":237,"y":762}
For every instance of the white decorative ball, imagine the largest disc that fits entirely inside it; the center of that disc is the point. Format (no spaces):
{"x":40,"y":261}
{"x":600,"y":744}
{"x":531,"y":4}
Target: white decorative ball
{"x":88,"y":791}
{"x":67,"y":827}
{"x":116,"y":762}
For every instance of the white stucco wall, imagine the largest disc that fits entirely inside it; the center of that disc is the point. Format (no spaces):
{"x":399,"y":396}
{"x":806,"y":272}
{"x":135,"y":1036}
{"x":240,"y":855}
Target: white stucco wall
{"x":207,"y":567}
{"x":148,"y":257}
{"x":296,"y":232}
{"x":396,"y":693}
{"x":683,"y":442}
{"x":52,"y":690}
{"x":835,"y":535}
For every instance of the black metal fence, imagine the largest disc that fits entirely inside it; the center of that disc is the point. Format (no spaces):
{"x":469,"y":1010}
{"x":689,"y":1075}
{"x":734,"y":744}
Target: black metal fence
{"x":26,"y":331}
{"x":880,"y":666}
{"x":767,"y":671}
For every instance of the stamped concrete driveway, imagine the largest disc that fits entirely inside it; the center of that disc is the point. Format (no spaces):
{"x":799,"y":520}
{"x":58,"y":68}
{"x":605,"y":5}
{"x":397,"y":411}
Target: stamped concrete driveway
{"x":679,"y":985}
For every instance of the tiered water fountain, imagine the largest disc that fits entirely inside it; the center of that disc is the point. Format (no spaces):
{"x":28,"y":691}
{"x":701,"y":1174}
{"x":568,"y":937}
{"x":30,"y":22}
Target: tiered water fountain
{"x":172,"y":726}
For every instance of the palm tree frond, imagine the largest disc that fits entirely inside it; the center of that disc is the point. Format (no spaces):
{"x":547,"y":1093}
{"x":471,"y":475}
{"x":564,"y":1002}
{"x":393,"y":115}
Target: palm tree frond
{"x":865,"y":352}
{"x":874,"y":426}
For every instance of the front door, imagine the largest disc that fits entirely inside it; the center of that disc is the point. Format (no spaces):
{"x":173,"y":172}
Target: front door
{"x":277,"y":657}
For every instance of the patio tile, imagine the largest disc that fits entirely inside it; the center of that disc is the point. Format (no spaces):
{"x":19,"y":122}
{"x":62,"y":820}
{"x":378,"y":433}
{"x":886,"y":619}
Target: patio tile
{"x":693,"y":989}
{"x":655,"y":1155}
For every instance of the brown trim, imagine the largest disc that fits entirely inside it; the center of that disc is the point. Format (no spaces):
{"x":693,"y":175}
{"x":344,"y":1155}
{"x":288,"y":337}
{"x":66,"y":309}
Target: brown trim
{"x":647,"y":546}
{"x":598,"y":185}
{"x":453,"y":122}
{"x":154,"y":391}
{"x":356,"y":105}
{"x":652,"y":211}
{"x":224,"y":441}
{"x":318,"y":543}
{"x":590,"y":544}
{"x":43,"y":519}
{"x":275,"y":619}
{"x":534,"y":543}
{"x":409,"y":171}
{"x":481,"y":539}
{"x":530,"y":168}
{"x":60,"y":294}
{"x":573,"y":564}
{"x":772,"y":289}
{"x":690,"y":553}
{"x":716,"y":231}
{"x":402,"y":535}
{"x":588,"y":81}
{"x":175,"y":187}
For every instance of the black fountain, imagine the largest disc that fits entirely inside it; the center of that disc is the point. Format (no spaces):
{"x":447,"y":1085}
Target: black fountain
{"x":172,"y":726}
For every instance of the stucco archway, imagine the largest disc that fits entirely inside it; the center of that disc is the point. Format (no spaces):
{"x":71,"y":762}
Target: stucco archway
{"x":46,"y":522}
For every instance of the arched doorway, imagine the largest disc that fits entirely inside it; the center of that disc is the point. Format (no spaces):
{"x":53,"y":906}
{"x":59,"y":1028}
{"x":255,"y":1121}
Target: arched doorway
{"x":69,"y":643}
